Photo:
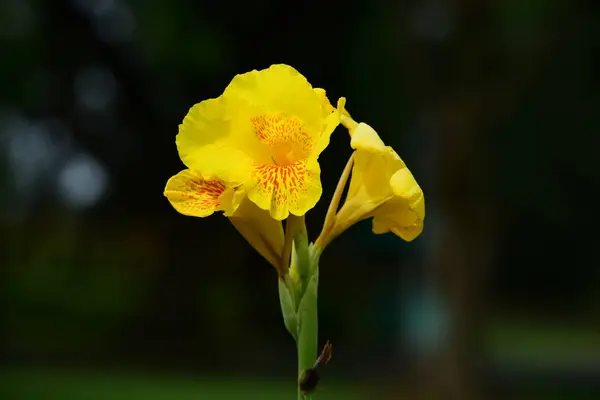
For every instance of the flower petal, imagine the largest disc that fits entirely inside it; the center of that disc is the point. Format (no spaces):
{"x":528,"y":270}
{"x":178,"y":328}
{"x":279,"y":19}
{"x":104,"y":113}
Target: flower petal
{"x":192,"y":195}
{"x":221,"y":161}
{"x":332,"y":120}
{"x":365,"y":138}
{"x":217,"y":139}
{"x":260,"y":230}
{"x":280,"y":89}
{"x":372,"y":172}
{"x":205,"y":123}
{"x":405,"y":186}
{"x":408,"y":233}
{"x":293,"y":188}
{"x":326,"y":106}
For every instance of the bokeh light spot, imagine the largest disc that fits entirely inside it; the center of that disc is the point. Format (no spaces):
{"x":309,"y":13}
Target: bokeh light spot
{"x":82,"y":182}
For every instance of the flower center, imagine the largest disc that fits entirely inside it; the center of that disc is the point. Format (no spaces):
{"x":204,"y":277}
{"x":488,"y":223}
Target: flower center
{"x":285,"y":137}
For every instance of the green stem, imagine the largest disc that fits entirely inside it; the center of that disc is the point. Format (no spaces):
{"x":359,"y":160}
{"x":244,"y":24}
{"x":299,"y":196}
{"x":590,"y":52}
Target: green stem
{"x":307,"y":338}
{"x":308,"y":325}
{"x":298,"y":296}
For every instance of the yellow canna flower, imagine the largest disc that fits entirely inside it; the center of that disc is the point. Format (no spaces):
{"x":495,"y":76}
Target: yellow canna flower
{"x":190,"y":194}
{"x":265,"y":132}
{"x":381,"y":187}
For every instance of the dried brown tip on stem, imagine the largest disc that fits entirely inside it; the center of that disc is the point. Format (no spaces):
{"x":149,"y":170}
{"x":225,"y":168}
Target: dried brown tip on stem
{"x":325,"y":355}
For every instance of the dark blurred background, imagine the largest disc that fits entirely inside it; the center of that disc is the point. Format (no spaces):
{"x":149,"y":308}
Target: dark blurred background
{"x":108,"y":293}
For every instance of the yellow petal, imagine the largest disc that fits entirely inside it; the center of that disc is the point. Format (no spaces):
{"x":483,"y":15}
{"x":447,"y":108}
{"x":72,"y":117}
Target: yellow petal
{"x":332,"y":120}
{"x":232,"y":198}
{"x":212,"y":141}
{"x":221,"y":162}
{"x":205,"y":123}
{"x":332,"y":116}
{"x":279,"y":89}
{"x":260,"y":230}
{"x":408,"y":233}
{"x":326,"y":106}
{"x":372,"y":171}
{"x":418,"y":206}
{"x":405,"y":186}
{"x":282,"y":190}
{"x":192,"y":195}
{"x":365,"y":138}
{"x":397,"y":212}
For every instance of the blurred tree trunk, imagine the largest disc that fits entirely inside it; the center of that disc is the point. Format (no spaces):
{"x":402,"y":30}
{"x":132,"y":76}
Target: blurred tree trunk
{"x":466,"y":95}
{"x":465,"y":240}
{"x":460,"y":257}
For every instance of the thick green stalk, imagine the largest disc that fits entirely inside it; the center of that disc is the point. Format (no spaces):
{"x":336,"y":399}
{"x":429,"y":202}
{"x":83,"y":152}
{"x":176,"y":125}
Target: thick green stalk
{"x":298,"y":295}
{"x":308,"y":325}
{"x":307,"y":331}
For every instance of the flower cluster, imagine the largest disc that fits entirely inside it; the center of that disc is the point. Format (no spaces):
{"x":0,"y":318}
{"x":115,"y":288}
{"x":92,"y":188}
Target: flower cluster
{"x":253,"y":153}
